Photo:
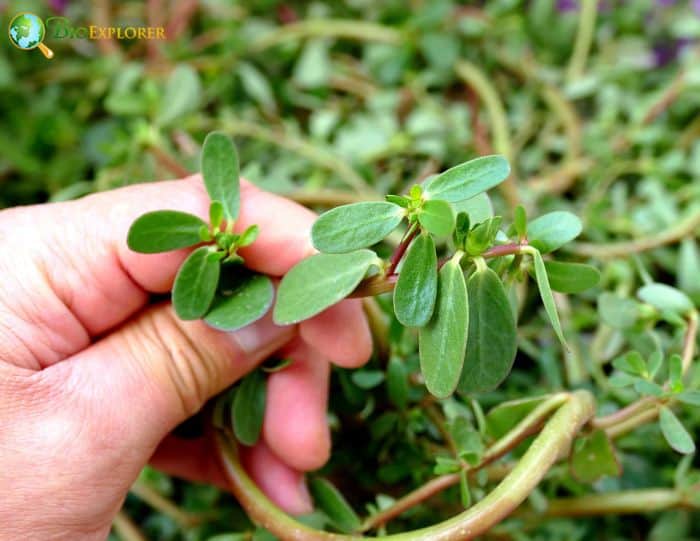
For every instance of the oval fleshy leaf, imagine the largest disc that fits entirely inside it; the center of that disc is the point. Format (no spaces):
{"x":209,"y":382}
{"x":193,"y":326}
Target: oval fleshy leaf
{"x":479,"y":208}
{"x":248,"y":408}
{"x":665,"y":298}
{"x":416,"y":287}
{"x":443,"y":340}
{"x":243,"y":298}
{"x":553,"y":230}
{"x":520,"y":221}
{"x":547,"y":296}
{"x":675,"y":433}
{"x":318,"y":282}
{"x":334,"y":505}
{"x":195,"y":284}
{"x":219,"y":165}
{"x":492,"y":340}
{"x":437,"y":217}
{"x":468,"y":179}
{"x":617,"y":311}
{"x":164,"y":230}
{"x":351,"y":227}
{"x":397,"y":382}
{"x":593,"y":457}
{"x":571,"y":277}
{"x":503,"y":417}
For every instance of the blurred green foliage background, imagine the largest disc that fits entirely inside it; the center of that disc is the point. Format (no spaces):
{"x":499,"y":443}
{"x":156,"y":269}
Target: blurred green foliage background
{"x":596,"y":104}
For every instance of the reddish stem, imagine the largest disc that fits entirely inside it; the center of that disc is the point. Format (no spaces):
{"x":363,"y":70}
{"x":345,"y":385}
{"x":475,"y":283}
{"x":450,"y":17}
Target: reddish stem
{"x":400,"y":251}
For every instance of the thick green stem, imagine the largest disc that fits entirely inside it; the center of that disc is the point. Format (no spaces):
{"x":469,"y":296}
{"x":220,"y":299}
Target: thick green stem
{"x":554,"y":440}
{"x":526,"y":427}
{"x":683,"y":228}
{"x":584,"y":40}
{"x":328,"y":28}
{"x":475,"y":78}
{"x":294,"y":143}
{"x":617,"y":503}
{"x":375,"y":285}
{"x":165,"y":506}
{"x":645,"y":409}
{"x":125,"y":528}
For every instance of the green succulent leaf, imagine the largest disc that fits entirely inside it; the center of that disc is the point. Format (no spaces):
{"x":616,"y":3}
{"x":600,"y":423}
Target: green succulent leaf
{"x":479,"y":208}
{"x":461,"y":231}
{"x":502,"y":418}
{"x":242,"y":298}
{"x":664,"y":297}
{"x":248,"y":236}
{"x":547,"y":296}
{"x":397,"y":382}
{"x":618,"y":312}
{"x":632,"y":363}
{"x":520,"y":222}
{"x":334,"y":505}
{"x":553,"y":230}
{"x":571,"y":277}
{"x":648,"y":388}
{"x":248,"y":408}
{"x":216,"y":213}
{"x":367,"y":379}
{"x":437,"y":217}
{"x":468,"y":179}
{"x":219,"y":166}
{"x":183,"y":94}
{"x":675,"y":373}
{"x":594,"y":457}
{"x":318,"y":282}
{"x":468,"y":441}
{"x":692,"y":398}
{"x":483,"y":235}
{"x":416,"y":287}
{"x":675,"y":433}
{"x":196,"y":283}
{"x":399,"y":200}
{"x":492,"y":335}
{"x":164,"y":230}
{"x":358,"y":225}
{"x":443,"y":340}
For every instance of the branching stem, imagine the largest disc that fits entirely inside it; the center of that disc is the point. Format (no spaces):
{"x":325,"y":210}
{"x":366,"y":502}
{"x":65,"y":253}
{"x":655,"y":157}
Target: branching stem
{"x":683,"y":228}
{"x":401,"y":249}
{"x":554,"y":441}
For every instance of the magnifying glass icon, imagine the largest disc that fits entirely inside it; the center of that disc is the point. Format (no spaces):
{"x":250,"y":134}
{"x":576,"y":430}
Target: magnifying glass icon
{"x":27,"y":32}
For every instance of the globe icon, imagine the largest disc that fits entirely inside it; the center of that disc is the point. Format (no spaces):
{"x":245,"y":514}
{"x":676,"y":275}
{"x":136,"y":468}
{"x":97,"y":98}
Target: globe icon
{"x":27,"y":32}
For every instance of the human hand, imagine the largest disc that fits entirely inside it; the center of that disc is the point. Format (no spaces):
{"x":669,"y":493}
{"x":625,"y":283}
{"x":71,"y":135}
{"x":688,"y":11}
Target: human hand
{"x":93,"y":377}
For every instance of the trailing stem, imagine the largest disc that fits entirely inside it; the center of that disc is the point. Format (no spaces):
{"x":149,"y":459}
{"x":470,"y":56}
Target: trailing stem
{"x":554,"y":440}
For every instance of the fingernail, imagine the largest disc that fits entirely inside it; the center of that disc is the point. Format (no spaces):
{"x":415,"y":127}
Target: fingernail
{"x":262,"y":337}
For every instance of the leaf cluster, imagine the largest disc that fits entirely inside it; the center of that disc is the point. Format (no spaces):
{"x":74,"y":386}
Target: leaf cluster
{"x":460,"y":305}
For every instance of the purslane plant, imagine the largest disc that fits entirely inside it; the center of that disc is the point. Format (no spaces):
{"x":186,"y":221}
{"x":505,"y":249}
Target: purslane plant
{"x":462,"y":306}
{"x":212,"y":284}
{"x":453,"y":275}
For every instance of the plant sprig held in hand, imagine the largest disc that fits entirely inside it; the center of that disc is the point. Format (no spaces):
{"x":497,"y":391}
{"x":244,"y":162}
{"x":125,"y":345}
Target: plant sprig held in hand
{"x":212,"y":283}
{"x":467,"y":325}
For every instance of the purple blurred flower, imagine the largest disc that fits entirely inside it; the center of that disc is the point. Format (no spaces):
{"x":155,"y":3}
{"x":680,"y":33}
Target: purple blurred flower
{"x":564,"y":6}
{"x":696,"y":6}
{"x":666,"y":52}
{"x":59,"y":6}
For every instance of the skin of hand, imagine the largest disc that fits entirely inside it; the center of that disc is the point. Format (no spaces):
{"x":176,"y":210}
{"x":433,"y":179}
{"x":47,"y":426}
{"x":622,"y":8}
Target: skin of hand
{"x":94,"y":377}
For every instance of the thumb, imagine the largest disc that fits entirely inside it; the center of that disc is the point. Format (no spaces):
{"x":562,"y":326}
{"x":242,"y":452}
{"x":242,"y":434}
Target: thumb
{"x":159,"y":370}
